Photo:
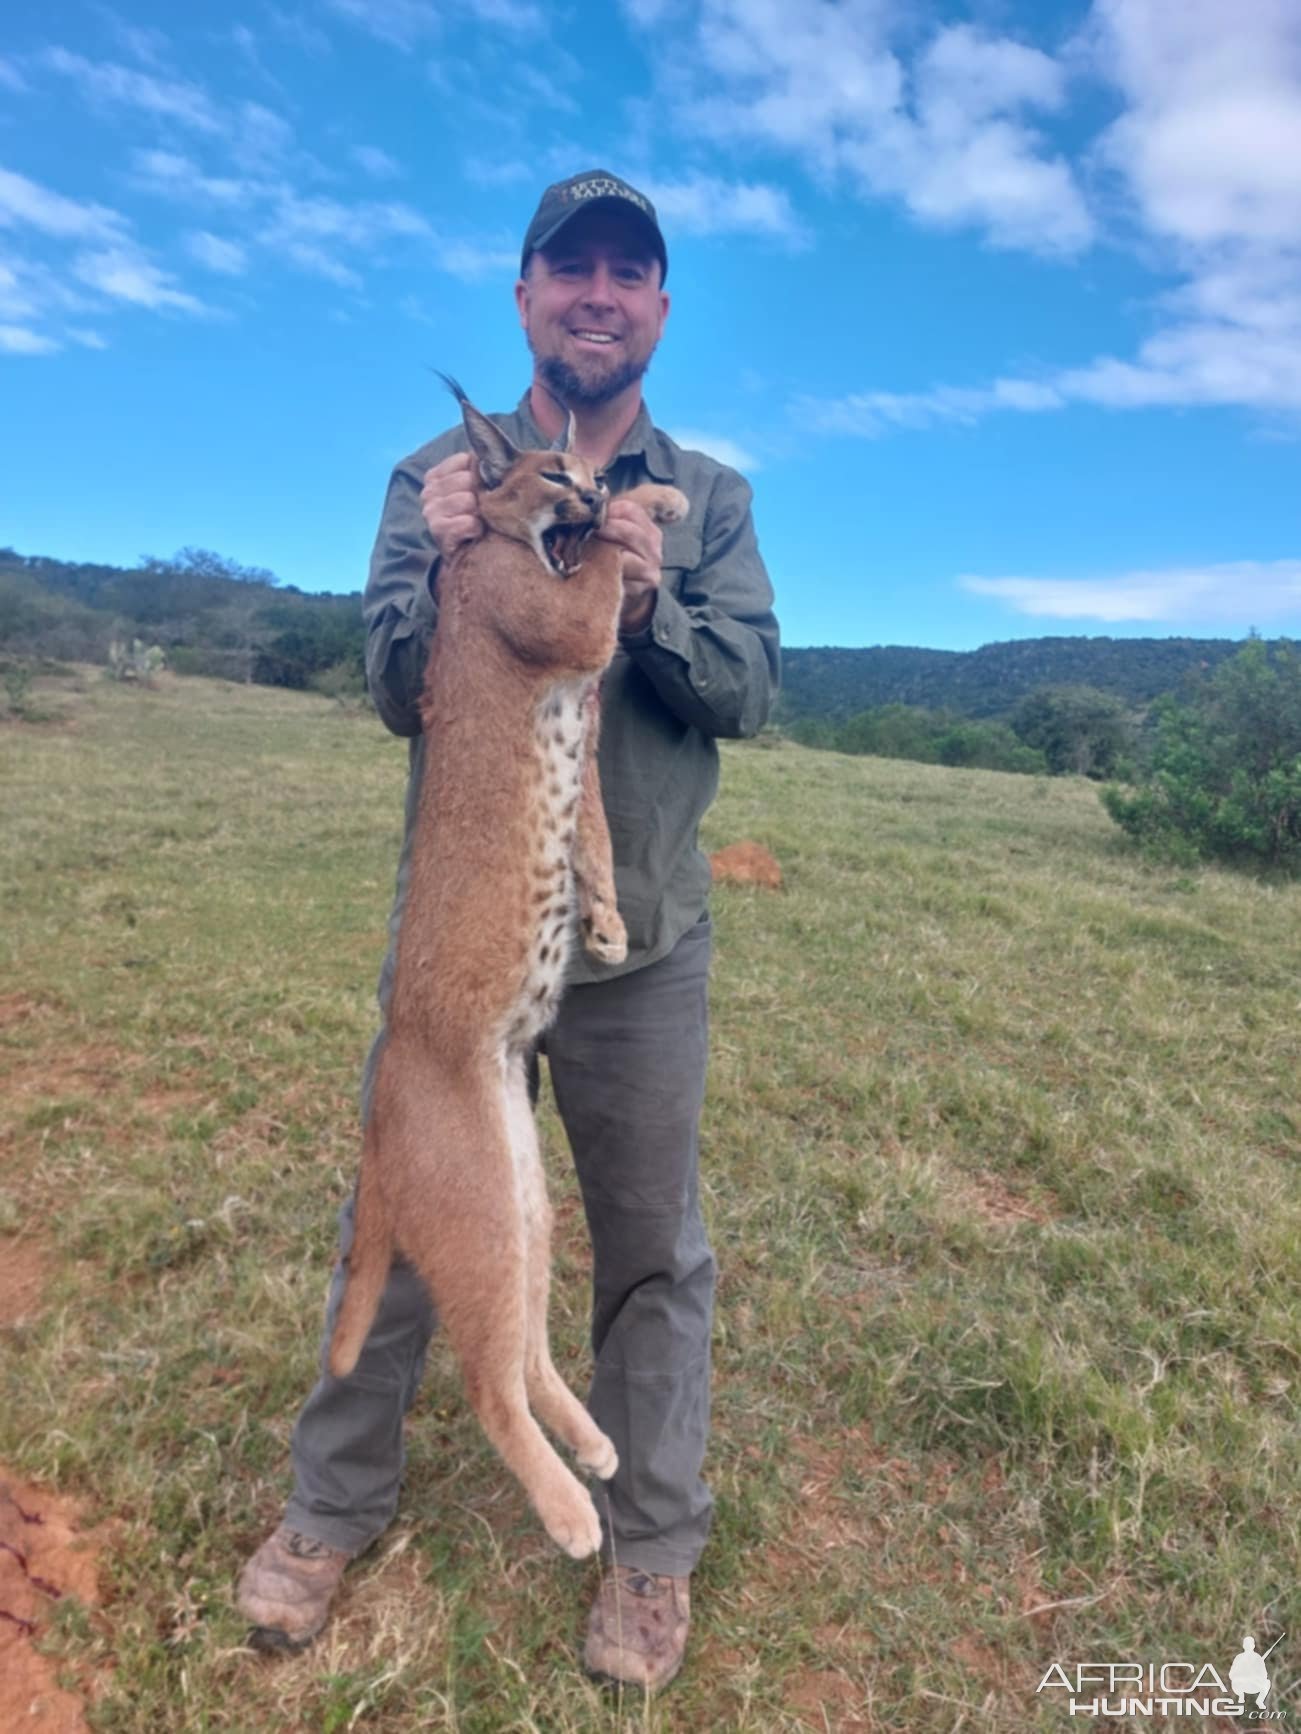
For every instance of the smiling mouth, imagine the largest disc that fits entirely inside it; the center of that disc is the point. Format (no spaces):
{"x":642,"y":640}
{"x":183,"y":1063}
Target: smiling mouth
{"x":598,"y":339}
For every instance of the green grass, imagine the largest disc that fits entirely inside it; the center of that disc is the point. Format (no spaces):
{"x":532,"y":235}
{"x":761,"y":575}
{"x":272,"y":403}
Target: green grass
{"x":1000,"y":1168}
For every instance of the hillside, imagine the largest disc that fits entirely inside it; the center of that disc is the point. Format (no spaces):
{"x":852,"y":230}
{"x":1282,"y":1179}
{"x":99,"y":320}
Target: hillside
{"x":991,"y":681}
{"x":210,"y":615}
{"x":214,"y":617}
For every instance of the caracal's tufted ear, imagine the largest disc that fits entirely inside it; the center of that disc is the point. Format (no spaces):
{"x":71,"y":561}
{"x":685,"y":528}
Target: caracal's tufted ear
{"x":489,"y":444}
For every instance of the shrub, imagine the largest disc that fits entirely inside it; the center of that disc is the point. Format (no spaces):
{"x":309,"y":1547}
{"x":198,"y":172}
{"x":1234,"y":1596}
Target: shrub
{"x":343,"y":681}
{"x":1225,"y":776}
{"x":1080,"y":731}
{"x":138,"y":661}
{"x":907,"y":731}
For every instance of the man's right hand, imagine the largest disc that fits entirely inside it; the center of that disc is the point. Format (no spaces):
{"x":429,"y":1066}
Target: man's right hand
{"x":449,"y":502}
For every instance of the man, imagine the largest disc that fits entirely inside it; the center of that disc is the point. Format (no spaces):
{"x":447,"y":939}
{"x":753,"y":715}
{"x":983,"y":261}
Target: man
{"x":697,"y":659}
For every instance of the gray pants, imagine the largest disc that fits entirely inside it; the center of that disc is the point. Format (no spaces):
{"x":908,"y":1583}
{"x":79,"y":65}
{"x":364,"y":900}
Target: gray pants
{"x":627,"y":1059}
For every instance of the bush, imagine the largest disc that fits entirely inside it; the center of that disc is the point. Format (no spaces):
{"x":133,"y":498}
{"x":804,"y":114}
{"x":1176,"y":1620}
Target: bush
{"x":1225,"y":776}
{"x":137,"y":661}
{"x":343,"y":681}
{"x":907,"y":731}
{"x":1080,"y":731}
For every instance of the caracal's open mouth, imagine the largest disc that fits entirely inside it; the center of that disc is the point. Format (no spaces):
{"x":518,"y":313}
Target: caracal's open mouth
{"x":563,"y":544}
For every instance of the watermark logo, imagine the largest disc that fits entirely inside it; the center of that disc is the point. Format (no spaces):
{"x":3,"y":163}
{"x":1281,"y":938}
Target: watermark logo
{"x":1120,"y":1689}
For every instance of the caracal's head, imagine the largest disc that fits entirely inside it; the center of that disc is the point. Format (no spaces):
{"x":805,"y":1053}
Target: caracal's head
{"x":551,"y":501}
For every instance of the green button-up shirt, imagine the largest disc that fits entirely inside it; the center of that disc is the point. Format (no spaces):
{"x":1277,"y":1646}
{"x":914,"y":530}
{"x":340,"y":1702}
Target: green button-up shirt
{"x":706,"y":665}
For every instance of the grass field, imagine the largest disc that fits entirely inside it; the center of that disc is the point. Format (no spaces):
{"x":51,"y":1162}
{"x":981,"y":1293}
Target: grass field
{"x":1000,"y":1162}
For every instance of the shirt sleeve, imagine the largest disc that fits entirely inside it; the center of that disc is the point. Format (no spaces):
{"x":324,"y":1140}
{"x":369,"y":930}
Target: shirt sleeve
{"x":714,"y":654}
{"x":400,"y":607}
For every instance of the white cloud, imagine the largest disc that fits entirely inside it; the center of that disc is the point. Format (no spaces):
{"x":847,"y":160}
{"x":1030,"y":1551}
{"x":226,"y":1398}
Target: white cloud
{"x":15,"y":302}
{"x":259,"y":137}
{"x":727,"y":451}
{"x":399,"y":22}
{"x":377,"y":163}
{"x":24,"y":201}
{"x":403,"y":23}
{"x":166,"y":98}
{"x":1208,"y":153}
{"x":948,"y":134}
{"x":125,"y":274}
{"x":316,"y":233}
{"x":10,"y":77}
{"x":471,"y":260}
{"x":218,"y":255}
{"x":872,"y":413}
{"x":1210,"y":142}
{"x":520,"y":15}
{"x":17,"y":340}
{"x":708,"y":205}
{"x":295,"y":28}
{"x":1208,"y":157}
{"x":1241,"y":592}
{"x":87,"y":339}
{"x":179,"y":177}
{"x":143,"y":42}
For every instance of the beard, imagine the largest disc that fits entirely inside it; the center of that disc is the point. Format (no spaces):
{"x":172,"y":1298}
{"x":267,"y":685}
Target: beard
{"x":581,"y":387}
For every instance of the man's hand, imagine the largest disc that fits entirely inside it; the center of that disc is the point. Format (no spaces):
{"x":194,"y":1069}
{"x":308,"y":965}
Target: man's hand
{"x":632,"y":528}
{"x":449,"y":502}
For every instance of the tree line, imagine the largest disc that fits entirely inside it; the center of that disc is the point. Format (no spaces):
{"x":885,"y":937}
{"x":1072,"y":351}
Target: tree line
{"x":207,"y":614}
{"x":1197,"y":741}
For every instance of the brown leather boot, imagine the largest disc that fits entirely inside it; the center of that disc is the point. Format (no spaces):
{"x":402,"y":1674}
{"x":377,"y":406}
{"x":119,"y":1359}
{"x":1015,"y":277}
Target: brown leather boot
{"x":287,"y":1587}
{"x":637,"y":1630}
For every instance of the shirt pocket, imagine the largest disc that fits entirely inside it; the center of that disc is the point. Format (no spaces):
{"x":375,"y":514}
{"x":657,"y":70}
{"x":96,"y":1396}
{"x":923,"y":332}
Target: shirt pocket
{"x":683,"y":552}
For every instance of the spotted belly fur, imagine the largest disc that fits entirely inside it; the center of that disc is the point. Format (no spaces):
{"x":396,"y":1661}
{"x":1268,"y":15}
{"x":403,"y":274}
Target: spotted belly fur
{"x":560,"y":729}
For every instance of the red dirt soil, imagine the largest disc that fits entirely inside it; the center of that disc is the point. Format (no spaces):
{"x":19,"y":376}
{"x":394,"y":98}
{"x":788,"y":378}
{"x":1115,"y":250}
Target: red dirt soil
{"x":22,"y":1270}
{"x":42,"y":1559}
{"x":745,"y":864}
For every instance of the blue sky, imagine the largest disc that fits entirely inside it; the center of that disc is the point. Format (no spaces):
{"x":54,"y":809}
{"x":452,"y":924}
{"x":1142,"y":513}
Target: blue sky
{"x":998,"y":305}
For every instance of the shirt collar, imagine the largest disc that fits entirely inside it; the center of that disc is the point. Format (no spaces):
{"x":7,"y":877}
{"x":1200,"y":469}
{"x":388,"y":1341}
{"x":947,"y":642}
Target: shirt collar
{"x":643,"y":440}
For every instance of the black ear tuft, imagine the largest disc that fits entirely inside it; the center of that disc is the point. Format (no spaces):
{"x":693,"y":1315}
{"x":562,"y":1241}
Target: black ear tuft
{"x":489,"y":444}
{"x":452,"y":385}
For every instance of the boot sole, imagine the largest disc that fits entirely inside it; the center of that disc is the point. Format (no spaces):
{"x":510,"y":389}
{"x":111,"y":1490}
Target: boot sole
{"x":271,"y":1641}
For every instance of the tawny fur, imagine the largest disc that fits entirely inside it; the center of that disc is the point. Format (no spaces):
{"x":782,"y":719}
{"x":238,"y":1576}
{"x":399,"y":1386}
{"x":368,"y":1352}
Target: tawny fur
{"x":511,"y":856}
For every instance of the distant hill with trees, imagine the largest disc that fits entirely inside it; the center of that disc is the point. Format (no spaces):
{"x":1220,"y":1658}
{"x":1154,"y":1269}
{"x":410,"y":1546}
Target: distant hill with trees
{"x":208,"y":614}
{"x":992,"y":681}
{"x":1060,"y":704}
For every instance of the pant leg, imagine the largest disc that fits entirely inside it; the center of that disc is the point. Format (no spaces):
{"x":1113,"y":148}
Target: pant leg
{"x":347,"y":1445}
{"x":627,"y":1060}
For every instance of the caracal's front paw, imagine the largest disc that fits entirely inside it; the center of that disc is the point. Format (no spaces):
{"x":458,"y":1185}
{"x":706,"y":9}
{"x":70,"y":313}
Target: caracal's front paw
{"x":604,"y":935}
{"x":665,"y":505}
{"x":671,"y":507}
{"x":570,"y":1519}
{"x":600,"y":1458}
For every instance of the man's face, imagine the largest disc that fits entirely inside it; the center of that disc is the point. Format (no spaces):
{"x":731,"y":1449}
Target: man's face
{"x":592,"y":308}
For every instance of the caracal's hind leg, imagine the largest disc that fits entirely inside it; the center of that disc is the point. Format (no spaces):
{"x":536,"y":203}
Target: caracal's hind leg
{"x":552,"y":1400}
{"x":465,"y":1236}
{"x":601,"y":925}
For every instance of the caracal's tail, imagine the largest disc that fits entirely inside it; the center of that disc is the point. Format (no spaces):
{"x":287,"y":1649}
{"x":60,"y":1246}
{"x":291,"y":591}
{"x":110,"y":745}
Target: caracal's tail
{"x":368,"y":1267}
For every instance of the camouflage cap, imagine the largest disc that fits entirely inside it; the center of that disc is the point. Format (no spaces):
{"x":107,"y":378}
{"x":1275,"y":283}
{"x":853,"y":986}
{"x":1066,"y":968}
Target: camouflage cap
{"x":593,"y":188}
